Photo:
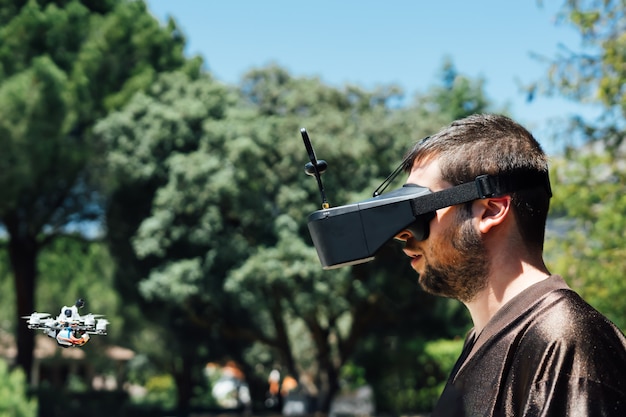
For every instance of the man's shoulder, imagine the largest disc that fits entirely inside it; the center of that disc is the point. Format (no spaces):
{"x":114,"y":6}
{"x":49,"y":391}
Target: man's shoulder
{"x":563,"y":320}
{"x":546,"y":313}
{"x":563,"y":310}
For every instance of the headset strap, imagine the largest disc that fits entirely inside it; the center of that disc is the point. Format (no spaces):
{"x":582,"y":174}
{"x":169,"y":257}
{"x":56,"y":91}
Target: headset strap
{"x":484,"y":186}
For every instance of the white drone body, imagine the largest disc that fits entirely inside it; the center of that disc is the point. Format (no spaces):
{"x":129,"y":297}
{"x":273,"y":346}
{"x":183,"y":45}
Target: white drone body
{"x":90,"y":324}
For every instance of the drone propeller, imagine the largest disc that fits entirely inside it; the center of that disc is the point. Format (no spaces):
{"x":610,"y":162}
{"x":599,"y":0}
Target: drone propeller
{"x":35,"y":318}
{"x":38,"y":315}
{"x":101,"y":326}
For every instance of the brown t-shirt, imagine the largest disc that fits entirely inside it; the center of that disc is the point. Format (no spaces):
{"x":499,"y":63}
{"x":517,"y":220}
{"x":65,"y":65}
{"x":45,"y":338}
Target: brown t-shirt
{"x":545,"y":353}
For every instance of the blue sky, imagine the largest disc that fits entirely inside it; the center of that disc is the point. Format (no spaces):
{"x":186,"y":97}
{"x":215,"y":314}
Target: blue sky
{"x":371,"y":43}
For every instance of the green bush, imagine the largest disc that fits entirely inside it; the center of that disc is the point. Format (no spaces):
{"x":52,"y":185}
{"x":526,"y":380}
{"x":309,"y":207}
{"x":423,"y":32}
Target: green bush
{"x":14,"y":401}
{"x":440,"y":356}
{"x":414,"y":385}
{"x":161,"y":392}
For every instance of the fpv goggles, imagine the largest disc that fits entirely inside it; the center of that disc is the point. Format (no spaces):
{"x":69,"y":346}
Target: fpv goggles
{"x":352,"y":234}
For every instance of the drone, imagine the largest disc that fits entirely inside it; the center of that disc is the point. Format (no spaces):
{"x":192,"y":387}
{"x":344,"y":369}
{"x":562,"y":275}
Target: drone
{"x":69,"y":328}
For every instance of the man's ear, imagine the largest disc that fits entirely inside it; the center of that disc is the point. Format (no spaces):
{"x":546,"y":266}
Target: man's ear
{"x":492,"y":212}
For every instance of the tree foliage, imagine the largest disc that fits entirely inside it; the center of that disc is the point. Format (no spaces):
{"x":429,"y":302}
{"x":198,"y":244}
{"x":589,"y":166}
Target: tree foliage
{"x":206,"y":198}
{"x":593,"y":73}
{"x":14,"y":400}
{"x":164,"y":217}
{"x":63,"y":65}
{"x":207,"y":218}
{"x":586,"y":243}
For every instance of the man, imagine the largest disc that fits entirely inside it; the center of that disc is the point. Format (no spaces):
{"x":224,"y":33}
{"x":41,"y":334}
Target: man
{"x":536,"y":349}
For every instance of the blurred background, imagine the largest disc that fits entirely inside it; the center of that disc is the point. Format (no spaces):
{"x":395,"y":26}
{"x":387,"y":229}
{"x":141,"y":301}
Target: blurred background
{"x":151,"y":163}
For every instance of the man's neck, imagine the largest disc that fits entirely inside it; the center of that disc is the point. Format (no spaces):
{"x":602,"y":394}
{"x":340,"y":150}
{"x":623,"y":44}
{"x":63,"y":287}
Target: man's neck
{"x":502,"y":286}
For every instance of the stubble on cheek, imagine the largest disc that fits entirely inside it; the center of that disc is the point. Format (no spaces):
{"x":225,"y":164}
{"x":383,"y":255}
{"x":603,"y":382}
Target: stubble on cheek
{"x":457,"y":265}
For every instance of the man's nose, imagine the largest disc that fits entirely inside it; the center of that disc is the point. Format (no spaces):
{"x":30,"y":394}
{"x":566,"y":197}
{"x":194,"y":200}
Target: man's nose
{"x":404,"y":235}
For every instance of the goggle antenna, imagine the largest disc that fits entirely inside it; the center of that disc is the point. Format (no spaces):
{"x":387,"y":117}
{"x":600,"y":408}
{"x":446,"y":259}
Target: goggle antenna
{"x":316,"y":167}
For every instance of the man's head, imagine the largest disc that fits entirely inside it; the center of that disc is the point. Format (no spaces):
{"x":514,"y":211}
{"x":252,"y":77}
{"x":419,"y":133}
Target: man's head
{"x":493,"y":145}
{"x":454,"y":260}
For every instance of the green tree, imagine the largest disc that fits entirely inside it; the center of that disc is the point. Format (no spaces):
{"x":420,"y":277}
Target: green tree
{"x":165,"y":219}
{"x":588,"y":216}
{"x":367,"y":305}
{"x":63,"y":65}
{"x":594,"y":73}
{"x":456,"y":96}
{"x":211,"y":199}
{"x":588,"y":207}
{"x":14,"y":401}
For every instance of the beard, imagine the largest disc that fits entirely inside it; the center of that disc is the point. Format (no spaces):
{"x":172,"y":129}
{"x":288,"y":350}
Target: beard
{"x":462,"y":264}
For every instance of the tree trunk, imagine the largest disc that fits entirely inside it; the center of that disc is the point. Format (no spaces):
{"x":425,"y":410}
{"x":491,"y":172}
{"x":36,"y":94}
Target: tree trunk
{"x":184,"y":384}
{"x":23,"y":253}
{"x":330,"y":377}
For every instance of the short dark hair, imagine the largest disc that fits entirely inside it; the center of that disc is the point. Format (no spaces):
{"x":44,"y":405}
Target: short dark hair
{"x":494,"y":145}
